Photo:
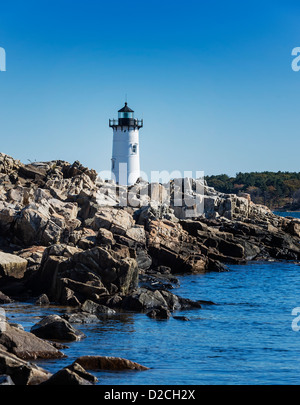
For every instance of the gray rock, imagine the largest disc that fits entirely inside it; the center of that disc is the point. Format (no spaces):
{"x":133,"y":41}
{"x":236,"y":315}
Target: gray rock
{"x":12,"y":265}
{"x":30,"y":224}
{"x":8,"y":214}
{"x":56,"y":328}
{"x":89,"y":274}
{"x":79,"y":370}
{"x":144,"y":260}
{"x":8,"y":164}
{"x":105,"y":237}
{"x":108,"y":363}
{"x":66,"y":377}
{"x":81,"y":317}
{"x":143,"y":299}
{"x":116,"y":220}
{"x":20,"y":372}
{"x":160,"y":313}
{"x":26,"y":345}
{"x":97,"y":309}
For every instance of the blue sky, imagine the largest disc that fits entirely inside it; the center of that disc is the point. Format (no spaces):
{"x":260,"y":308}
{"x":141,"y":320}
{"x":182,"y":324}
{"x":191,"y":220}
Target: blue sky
{"x":211,"y":79}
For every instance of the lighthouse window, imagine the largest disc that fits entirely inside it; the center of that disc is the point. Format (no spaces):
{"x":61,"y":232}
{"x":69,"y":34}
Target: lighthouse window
{"x":134,"y":148}
{"x":125,"y":115}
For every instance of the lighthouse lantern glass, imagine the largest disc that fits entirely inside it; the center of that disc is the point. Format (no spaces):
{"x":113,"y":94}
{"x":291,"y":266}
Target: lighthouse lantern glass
{"x":125,"y":115}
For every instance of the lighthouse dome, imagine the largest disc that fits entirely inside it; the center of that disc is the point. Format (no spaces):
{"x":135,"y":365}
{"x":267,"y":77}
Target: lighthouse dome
{"x":126,"y":119}
{"x":126,"y":109}
{"x":125,"y":112}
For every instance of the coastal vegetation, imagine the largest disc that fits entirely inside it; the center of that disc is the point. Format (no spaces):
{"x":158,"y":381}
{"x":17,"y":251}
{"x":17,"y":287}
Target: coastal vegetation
{"x":277,"y":190}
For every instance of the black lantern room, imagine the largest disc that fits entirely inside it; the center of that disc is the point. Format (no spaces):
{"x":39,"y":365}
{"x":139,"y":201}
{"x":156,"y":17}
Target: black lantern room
{"x":126,"y":118}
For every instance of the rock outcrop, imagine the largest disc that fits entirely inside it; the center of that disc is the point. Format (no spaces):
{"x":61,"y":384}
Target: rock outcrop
{"x":26,"y":345}
{"x":108,"y":363}
{"x":54,"y":327}
{"x":21,"y":372}
{"x":70,"y":238}
{"x":12,"y":265}
{"x":70,"y":235}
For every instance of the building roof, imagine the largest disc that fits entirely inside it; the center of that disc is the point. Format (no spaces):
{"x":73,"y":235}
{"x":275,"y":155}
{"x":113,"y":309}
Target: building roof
{"x":126,"y":109}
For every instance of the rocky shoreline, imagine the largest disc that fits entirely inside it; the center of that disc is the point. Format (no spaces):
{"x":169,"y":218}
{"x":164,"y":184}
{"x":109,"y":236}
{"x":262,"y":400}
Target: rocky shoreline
{"x":70,"y":238}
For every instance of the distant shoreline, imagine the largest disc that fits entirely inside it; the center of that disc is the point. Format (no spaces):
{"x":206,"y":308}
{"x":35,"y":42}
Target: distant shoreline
{"x":281,"y":189}
{"x":282,"y":210}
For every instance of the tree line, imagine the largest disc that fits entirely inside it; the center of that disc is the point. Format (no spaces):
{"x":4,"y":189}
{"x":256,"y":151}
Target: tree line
{"x":277,"y":190}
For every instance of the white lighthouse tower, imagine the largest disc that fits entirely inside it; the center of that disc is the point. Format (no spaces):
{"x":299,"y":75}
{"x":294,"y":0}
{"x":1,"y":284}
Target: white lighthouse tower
{"x":125,"y":160}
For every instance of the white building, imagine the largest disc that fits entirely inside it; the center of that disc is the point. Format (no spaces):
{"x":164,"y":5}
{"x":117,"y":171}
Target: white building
{"x":126,"y":152}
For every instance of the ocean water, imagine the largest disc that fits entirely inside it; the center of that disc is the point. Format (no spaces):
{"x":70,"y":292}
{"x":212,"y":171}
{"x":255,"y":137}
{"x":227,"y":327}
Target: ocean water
{"x":247,"y":337}
{"x":288,"y":214}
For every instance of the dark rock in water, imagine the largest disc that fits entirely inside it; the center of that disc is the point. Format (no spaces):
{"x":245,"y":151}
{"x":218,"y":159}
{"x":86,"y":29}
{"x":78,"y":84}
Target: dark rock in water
{"x":203,"y":302}
{"x":81,"y":317}
{"x":181,"y":318}
{"x":158,"y":301}
{"x":26,"y":345}
{"x":143,"y":299}
{"x":172,"y":300}
{"x":187,"y":303}
{"x":108,"y":363}
{"x":216,"y":266}
{"x":58,"y":345}
{"x":74,"y":374}
{"x":160,"y":313}
{"x":97,"y":309}
{"x":66,"y":377}
{"x":78,"y":369}
{"x":56,"y":328}
{"x":20,"y":372}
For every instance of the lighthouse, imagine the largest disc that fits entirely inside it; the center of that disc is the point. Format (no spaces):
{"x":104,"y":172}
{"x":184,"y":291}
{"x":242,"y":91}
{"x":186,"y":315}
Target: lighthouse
{"x":125,"y":162}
